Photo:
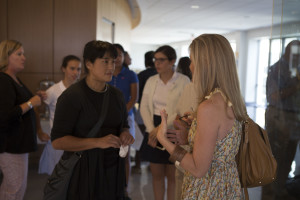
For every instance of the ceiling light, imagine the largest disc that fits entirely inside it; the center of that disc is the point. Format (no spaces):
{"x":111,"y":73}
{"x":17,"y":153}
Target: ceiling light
{"x":194,"y":6}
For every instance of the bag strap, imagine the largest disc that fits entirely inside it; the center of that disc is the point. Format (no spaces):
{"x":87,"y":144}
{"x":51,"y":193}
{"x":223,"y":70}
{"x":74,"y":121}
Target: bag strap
{"x":244,"y":150}
{"x":97,"y":126}
{"x":104,"y":109}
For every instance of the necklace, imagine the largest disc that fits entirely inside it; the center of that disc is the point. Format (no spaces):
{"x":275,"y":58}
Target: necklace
{"x":105,"y":89}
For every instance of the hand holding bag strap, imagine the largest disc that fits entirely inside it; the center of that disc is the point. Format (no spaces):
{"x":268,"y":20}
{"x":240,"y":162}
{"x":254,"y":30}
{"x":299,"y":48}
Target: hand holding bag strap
{"x":104,"y":109}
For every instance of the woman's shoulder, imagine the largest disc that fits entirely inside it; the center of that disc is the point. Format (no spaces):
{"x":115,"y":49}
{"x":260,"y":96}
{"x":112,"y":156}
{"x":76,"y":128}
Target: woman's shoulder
{"x":5,"y":78}
{"x":6,"y":81}
{"x":214,"y":105}
{"x":132,"y":72}
{"x":74,"y":92}
{"x":182,"y":77}
{"x":53,"y":88}
{"x":208,"y":106}
{"x":152,"y":79}
{"x":216,"y":108}
{"x":114,"y":91}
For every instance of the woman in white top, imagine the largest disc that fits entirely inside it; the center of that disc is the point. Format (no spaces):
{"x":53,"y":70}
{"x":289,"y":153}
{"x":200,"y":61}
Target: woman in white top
{"x":161,"y":91}
{"x":71,"y":68}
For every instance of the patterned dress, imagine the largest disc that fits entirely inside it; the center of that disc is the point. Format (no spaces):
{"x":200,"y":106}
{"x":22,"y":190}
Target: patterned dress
{"x":222,"y":180}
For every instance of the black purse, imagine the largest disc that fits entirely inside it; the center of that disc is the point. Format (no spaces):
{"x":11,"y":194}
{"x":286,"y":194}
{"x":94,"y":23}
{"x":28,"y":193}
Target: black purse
{"x":57,"y":185}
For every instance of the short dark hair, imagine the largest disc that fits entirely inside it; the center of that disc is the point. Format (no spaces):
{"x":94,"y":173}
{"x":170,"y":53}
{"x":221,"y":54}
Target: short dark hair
{"x":67,"y":59}
{"x":167,"y":51}
{"x":120,"y":47}
{"x":96,"y":49}
{"x":149,"y":59}
{"x":184,"y":66}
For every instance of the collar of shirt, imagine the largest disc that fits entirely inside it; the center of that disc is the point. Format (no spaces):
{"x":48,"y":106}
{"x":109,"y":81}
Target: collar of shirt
{"x":171,"y":81}
{"x":122,"y":72}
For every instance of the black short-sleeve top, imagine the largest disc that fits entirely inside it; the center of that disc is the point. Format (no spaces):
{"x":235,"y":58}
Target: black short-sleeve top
{"x":17,"y":131}
{"x":78,"y":109}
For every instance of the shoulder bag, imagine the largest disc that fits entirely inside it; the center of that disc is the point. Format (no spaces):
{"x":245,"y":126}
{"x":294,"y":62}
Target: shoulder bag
{"x":57,"y":185}
{"x":255,"y":161}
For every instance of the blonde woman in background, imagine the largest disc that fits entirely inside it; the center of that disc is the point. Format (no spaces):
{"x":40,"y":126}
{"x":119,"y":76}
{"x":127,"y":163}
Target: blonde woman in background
{"x":215,"y":134}
{"x":18,"y":127}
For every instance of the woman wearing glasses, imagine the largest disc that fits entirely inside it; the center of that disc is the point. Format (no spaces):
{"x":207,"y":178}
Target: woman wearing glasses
{"x":161,"y":91}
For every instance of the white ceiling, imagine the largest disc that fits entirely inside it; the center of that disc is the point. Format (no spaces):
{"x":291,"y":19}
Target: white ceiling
{"x":166,"y":21}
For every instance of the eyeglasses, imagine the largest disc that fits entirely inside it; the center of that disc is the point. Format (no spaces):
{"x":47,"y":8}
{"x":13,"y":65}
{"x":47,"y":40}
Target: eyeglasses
{"x":160,"y":60}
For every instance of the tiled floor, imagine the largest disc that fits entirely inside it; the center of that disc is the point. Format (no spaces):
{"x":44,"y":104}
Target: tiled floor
{"x":140,"y":184}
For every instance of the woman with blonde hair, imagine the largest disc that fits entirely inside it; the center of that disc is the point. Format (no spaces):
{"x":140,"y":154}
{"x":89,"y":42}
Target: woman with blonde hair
{"x":18,"y":127}
{"x":215,"y":133}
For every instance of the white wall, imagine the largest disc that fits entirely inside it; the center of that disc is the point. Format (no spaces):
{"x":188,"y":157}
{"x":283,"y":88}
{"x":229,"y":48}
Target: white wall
{"x":246,"y":53}
{"x":137,"y":52}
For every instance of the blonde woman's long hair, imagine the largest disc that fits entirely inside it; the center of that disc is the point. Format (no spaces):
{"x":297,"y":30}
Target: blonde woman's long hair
{"x":214,"y":67}
{"x":7,"y":47}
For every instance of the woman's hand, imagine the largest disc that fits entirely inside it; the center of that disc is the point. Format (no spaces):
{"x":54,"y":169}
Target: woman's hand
{"x":152,"y":140}
{"x":108,"y":141}
{"x":42,"y":94}
{"x":126,"y":138}
{"x":162,"y":129}
{"x":44,"y":137}
{"x":187,"y":118}
{"x":35,"y":101}
{"x":181,"y":132}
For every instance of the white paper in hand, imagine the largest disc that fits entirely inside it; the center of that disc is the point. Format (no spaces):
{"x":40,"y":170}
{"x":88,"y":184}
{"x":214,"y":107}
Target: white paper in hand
{"x":123,"y":151}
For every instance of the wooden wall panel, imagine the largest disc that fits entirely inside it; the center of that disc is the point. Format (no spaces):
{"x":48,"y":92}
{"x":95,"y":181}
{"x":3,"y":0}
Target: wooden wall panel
{"x":119,"y":12}
{"x":52,"y":29}
{"x":3,"y":20}
{"x":31,"y":22}
{"x":74,"y":26}
{"x":32,"y":80}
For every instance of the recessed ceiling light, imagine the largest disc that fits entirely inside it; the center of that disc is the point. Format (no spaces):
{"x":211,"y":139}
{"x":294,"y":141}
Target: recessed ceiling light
{"x":194,"y":6}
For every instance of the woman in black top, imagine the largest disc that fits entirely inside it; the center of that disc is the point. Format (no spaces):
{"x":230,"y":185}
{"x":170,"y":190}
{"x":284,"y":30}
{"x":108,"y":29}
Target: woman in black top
{"x":100,"y":173}
{"x":17,"y":121}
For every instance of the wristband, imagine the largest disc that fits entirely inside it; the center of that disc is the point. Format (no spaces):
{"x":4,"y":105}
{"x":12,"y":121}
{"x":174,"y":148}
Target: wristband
{"x":29,"y":104}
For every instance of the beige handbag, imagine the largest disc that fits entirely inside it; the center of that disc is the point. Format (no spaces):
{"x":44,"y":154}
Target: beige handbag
{"x":255,"y":161}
